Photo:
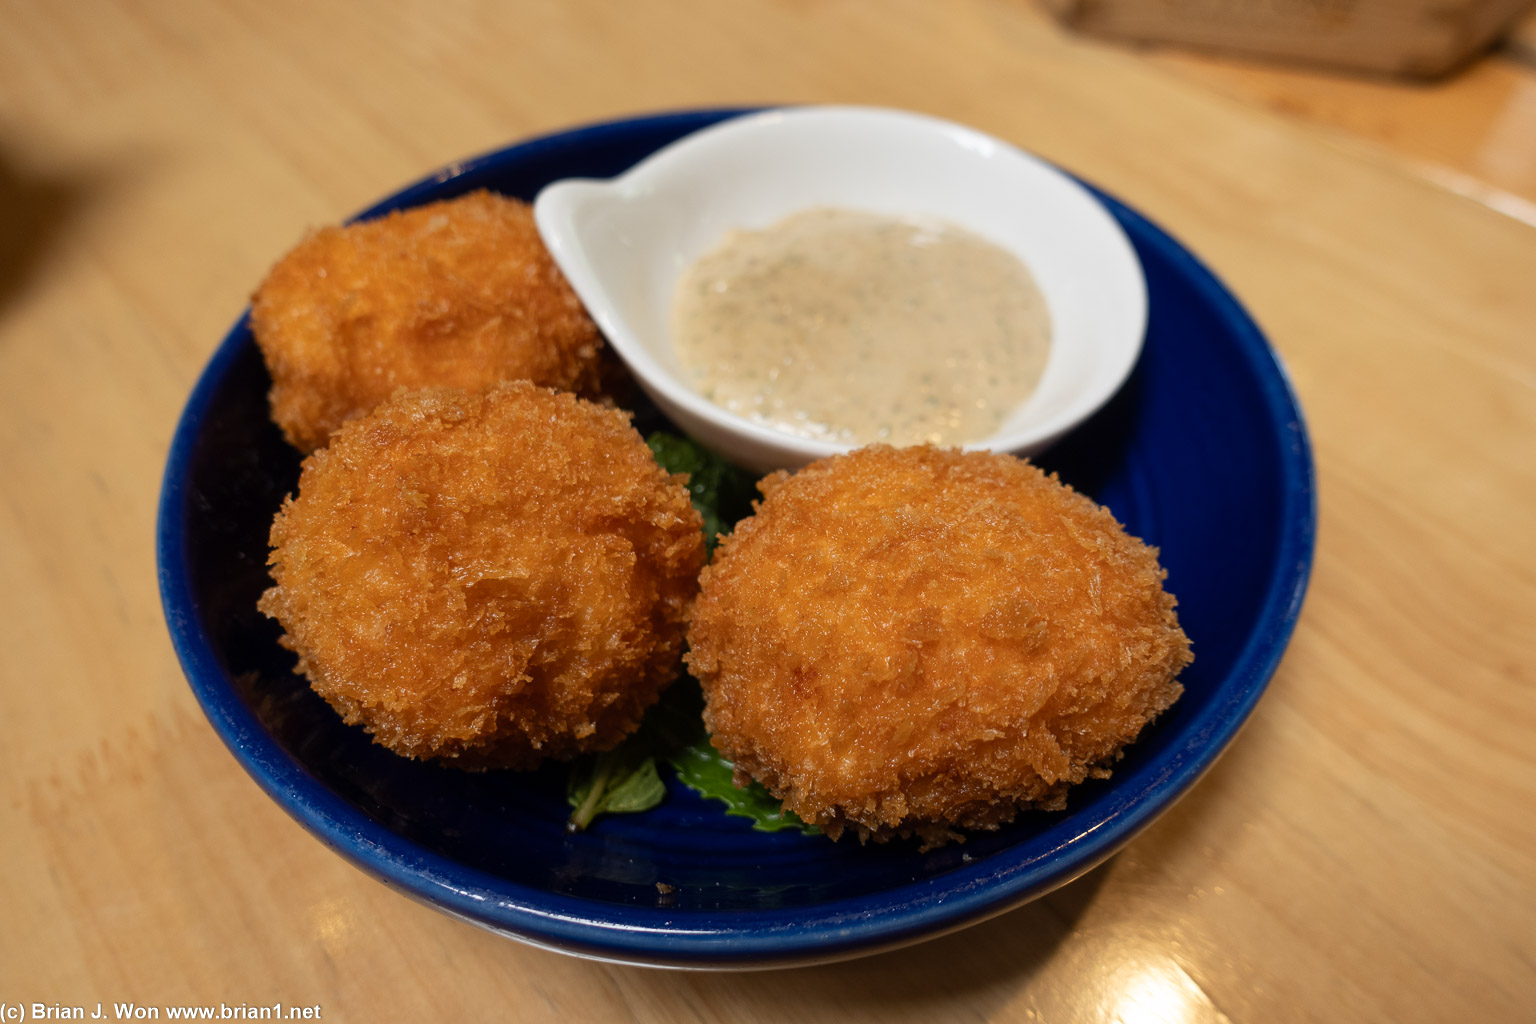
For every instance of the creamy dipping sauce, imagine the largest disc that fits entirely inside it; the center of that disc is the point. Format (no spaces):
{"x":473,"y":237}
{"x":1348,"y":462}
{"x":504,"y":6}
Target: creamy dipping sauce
{"x":855,"y":328}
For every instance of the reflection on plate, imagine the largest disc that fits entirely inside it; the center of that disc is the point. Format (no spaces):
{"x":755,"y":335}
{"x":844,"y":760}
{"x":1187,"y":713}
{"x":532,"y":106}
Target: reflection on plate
{"x":1202,"y":453}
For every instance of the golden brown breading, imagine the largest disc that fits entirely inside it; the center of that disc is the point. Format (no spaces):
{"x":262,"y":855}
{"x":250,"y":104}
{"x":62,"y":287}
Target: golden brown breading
{"x":490,"y":579}
{"x":459,"y":293}
{"x":905,"y":641}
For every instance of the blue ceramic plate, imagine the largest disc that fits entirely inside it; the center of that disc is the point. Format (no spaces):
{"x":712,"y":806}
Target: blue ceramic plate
{"x":1203,"y":453}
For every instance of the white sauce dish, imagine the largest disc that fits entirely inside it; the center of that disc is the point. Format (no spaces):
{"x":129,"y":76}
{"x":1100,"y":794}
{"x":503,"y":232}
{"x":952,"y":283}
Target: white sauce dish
{"x":625,"y":243}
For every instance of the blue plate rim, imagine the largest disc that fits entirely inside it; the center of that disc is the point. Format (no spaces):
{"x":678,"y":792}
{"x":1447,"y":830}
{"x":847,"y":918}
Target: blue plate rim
{"x":658,"y":937}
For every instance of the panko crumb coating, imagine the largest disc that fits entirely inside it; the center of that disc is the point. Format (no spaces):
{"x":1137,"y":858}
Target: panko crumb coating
{"x":910,"y":641}
{"x":460,"y":293}
{"x":487,"y":579}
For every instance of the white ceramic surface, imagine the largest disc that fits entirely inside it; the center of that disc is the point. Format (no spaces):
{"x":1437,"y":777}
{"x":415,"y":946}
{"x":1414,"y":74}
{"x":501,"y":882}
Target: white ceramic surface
{"x":624,"y":243}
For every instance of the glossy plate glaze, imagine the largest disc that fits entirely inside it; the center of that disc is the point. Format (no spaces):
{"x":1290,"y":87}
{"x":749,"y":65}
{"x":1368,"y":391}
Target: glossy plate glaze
{"x":1203,"y":453}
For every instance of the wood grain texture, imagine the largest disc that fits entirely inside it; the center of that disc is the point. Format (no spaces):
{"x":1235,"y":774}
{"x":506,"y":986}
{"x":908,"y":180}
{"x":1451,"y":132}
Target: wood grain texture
{"x":1364,"y":852}
{"x":1474,"y":133}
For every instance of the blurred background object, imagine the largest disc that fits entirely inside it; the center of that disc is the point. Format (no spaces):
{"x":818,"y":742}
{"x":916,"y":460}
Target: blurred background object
{"x":1418,"y":38}
{"x":1472,"y":132}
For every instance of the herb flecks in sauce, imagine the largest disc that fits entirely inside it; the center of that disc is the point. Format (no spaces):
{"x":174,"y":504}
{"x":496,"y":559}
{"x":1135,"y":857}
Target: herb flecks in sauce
{"x":855,"y":327}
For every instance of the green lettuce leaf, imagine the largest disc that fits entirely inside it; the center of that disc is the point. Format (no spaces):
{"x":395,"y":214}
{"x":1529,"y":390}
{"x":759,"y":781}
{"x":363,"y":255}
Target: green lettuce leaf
{"x":674,"y":730}
{"x":625,"y":779}
{"x":618,"y":781}
{"x":722,"y":492}
{"x":700,"y":767}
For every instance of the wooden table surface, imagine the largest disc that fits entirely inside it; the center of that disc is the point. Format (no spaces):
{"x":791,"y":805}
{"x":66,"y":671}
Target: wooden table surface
{"x":1363,"y":852}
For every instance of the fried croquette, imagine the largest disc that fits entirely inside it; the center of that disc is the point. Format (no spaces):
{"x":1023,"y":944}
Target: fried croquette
{"x":487,"y":579}
{"x":459,"y":293}
{"x":911,"y":641}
